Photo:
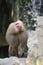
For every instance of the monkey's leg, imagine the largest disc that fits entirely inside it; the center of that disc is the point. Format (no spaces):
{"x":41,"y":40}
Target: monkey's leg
{"x":11,"y":48}
{"x":23,"y":43}
{"x":20,"y":50}
{"x":13,"y":43}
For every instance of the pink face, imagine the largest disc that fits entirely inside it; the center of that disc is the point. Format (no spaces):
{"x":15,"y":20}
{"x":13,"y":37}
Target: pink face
{"x":18,"y":25}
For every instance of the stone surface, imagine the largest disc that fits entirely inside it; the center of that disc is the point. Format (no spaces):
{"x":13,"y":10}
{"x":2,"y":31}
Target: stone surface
{"x":12,"y":61}
{"x":35,"y":47}
{"x":40,"y":20}
{"x":32,"y":43}
{"x":40,"y":34}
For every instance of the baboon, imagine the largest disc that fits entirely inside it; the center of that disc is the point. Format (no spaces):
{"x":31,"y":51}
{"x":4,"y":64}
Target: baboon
{"x":16,"y":37}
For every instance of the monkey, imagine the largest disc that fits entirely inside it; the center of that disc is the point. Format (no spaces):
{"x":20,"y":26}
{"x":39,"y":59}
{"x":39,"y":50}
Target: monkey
{"x":16,"y":37}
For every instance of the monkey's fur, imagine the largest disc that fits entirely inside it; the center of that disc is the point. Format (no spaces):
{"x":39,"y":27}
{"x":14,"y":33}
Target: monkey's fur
{"x":16,"y":38}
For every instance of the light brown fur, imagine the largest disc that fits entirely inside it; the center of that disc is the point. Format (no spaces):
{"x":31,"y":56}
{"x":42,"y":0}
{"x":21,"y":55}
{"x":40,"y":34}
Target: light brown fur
{"x":17,"y":39}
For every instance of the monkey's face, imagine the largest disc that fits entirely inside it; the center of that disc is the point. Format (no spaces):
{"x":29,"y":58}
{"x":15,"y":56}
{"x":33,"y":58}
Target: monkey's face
{"x":18,"y":26}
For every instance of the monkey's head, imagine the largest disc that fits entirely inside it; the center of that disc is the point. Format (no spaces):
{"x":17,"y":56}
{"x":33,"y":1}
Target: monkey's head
{"x":19,"y":26}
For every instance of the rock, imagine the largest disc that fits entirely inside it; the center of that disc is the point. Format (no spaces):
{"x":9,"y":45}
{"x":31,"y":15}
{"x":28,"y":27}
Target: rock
{"x":40,"y":34}
{"x":32,"y":43}
{"x":11,"y":61}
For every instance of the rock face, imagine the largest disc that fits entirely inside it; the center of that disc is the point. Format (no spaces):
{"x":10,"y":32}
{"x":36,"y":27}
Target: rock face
{"x":32,"y":43}
{"x":12,"y":61}
{"x":40,"y":34}
{"x":32,"y":48}
{"x":35,"y":44}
